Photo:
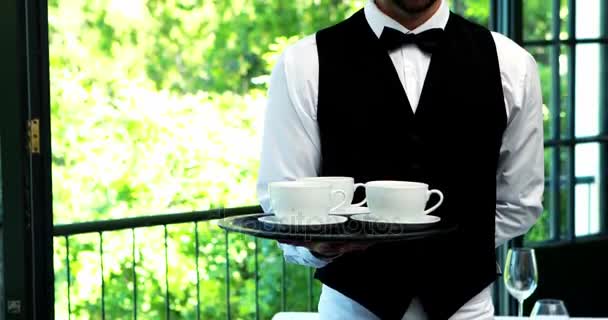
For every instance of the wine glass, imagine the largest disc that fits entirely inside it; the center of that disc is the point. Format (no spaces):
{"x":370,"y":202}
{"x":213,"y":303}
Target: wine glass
{"x":549,"y":309}
{"x":521,"y":275}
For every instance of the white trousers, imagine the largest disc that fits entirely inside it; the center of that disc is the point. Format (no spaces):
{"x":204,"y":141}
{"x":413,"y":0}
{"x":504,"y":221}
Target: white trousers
{"x":335,"y":306}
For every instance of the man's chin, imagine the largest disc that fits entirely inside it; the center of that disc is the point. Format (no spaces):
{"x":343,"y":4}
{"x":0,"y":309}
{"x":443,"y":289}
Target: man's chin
{"x":414,"y":6}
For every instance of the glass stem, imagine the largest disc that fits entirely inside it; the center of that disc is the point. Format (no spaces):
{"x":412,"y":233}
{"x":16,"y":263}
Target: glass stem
{"x":520,"y":311}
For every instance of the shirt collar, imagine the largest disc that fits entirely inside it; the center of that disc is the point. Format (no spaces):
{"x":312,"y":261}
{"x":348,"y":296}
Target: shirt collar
{"x":377,"y":19}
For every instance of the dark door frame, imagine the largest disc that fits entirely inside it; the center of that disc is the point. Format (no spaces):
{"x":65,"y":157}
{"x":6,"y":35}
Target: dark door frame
{"x":26,"y":211}
{"x":17,"y":290}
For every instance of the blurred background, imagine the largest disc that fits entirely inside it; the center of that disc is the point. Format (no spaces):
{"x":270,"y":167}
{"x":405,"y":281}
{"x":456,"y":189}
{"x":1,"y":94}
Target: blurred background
{"x":150,"y":115}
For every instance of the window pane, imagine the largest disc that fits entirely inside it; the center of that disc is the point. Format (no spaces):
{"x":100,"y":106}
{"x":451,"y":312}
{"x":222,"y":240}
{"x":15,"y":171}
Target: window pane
{"x":565,"y":113}
{"x":542,"y":229}
{"x":563,"y":15}
{"x":587,"y":218}
{"x":587,"y":90}
{"x":564,"y":190}
{"x":537,"y":15}
{"x":543,"y":56}
{"x":588,"y":18}
{"x":475,"y":10}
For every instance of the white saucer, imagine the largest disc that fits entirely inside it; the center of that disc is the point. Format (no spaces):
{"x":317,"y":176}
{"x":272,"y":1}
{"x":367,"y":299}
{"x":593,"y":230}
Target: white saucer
{"x":303,"y":221}
{"x":350,"y":211}
{"x":421,"y":220}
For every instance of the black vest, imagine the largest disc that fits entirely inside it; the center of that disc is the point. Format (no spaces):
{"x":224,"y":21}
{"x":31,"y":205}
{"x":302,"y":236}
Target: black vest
{"x":369,"y":131}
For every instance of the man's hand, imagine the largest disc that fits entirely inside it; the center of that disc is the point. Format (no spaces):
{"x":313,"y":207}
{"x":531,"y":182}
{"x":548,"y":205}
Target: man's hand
{"x":330,"y":249}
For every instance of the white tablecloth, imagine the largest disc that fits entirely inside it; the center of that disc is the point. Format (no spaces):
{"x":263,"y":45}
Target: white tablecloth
{"x":513,"y":318}
{"x":315,"y":316}
{"x":296,"y":316}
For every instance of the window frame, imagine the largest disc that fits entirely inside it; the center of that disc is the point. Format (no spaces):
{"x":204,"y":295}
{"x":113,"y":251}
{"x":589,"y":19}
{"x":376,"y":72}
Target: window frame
{"x":557,"y":142}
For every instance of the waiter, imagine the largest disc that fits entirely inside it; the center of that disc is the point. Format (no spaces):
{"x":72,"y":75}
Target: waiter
{"x":407,"y":90}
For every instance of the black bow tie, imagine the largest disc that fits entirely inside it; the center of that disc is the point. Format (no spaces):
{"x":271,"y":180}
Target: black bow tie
{"x":427,"y":41}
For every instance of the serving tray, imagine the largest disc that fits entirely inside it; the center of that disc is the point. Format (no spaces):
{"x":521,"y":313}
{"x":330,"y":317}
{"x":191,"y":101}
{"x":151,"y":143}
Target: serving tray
{"x":350,"y":230}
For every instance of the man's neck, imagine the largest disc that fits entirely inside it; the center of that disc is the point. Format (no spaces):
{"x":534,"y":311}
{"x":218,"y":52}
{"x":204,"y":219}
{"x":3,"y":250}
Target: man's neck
{"x":408,"y":20}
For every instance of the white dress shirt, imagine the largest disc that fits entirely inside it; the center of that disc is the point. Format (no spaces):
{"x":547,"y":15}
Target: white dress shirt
{"x":291,"y":142}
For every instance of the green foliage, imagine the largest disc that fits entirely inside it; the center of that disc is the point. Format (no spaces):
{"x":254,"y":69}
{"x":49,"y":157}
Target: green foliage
{"x":475,"y":10}
{"x":156,"y":108}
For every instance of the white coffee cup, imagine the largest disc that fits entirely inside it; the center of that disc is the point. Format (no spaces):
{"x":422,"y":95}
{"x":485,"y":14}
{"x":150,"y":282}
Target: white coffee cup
{"x":302,"y":198}
{"x":399,"y":199}
{"x":347,"y":184}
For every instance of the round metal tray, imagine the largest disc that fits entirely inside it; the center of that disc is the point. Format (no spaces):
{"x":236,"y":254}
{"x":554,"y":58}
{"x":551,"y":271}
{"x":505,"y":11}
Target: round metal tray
{"x":351,"y":230}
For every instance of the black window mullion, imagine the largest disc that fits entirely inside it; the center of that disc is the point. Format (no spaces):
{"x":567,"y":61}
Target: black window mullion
{"x":571,"y":118}
{"x":604,"y":125}
{"x":555,"y":211}
{"x":493,"y":17}
{"x":515,"y":22}
{"x":459,"y":6}
{"x":601,"y":138}
{"x":570,"y":41}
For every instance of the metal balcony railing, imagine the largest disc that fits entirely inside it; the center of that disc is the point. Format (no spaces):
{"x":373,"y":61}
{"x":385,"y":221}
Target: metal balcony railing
{"x":101,"y":228}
